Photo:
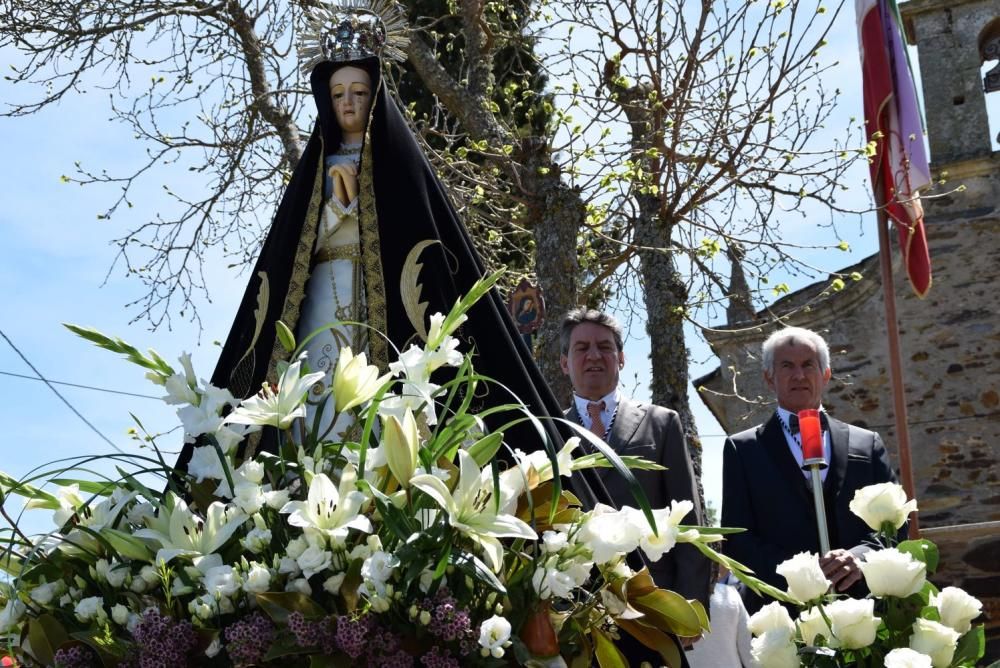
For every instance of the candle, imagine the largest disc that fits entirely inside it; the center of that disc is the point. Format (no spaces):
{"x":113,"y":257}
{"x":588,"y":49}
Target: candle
{"x":811,"y":435}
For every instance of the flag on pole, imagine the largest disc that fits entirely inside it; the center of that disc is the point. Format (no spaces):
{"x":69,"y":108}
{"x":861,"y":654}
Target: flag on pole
{"x":894,"y":129}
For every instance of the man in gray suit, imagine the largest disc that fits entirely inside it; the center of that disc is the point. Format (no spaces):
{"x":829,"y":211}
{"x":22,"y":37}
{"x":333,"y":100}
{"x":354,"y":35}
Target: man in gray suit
{"x":592,"y":357}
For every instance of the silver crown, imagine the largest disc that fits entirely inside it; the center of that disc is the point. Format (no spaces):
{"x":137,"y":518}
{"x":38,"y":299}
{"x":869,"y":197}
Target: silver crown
{"x":352,"y":30}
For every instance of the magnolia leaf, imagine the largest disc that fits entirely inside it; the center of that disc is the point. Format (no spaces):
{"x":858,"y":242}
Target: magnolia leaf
{"x":284,"y":646}
{"x":279,"y":604}
{"x":607,"y":655}
{"x":668,"y":611}
{"x":46,"y":634}
{"x":656,"y":640}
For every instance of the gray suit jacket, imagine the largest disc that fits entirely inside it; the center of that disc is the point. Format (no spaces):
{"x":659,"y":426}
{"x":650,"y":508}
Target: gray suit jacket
{"x":655,"y":433}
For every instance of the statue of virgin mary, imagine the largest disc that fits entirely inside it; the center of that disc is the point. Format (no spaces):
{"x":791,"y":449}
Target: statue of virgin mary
{"x":362,"y":213}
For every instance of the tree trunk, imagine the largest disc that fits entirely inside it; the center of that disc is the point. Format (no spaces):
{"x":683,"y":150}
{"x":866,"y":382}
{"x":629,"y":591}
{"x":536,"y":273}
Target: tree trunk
{"x":555,"y":215}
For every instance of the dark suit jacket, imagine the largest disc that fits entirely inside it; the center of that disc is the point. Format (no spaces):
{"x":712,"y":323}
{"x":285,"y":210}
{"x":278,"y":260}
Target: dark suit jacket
{"x":655,"y":433}
{"x":765,"y":492}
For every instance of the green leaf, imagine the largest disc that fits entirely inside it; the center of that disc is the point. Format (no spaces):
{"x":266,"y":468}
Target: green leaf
{"x":38,"y":497}
{"x":88,"y":486}
{"x":473,"y":566}
{"x":279,"y":604}
{"x":46,"y":634}
{"x":922,"y":550}
{"x":608,"y":656}
{"x":127,"y":545}
{"x":971,"y":647}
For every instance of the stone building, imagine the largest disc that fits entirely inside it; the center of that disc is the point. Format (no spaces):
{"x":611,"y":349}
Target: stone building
{"x":950,"y":340}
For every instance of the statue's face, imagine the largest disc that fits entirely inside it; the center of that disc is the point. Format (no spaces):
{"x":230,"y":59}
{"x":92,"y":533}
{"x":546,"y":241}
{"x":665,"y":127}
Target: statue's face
{"x":351,"y":93}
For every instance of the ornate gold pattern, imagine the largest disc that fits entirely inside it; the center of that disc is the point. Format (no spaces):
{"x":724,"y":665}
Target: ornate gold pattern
{"x":344,"y":252}
{"x":242,"y":373}
{"x":371,"y":260}
{"x":410,"y":287}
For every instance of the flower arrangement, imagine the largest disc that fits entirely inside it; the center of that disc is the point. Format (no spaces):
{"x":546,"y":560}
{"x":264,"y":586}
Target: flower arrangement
{"x":419,"y":540}
{"x":904,"y":622}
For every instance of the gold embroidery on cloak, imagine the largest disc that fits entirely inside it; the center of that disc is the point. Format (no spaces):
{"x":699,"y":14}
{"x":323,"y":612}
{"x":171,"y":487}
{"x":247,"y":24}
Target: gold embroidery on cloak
{"x":371,"y":255}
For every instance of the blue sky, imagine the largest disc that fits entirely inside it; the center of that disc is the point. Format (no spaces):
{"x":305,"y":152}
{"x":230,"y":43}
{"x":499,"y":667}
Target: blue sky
{"x":55,"y":255}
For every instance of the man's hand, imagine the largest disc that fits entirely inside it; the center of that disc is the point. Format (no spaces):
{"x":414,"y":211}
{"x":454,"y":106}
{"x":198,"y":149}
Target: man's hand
{"x":841,"y":568}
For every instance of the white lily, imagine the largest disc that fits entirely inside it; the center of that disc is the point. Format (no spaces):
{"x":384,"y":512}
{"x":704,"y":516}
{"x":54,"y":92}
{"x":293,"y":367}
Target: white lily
{"x":329,"y":510}
{"x":401,"y":440}
{"x":279,"y":408}
{"x":354,"y":380}
{"x":471,"y":510}
{"x":182,"y":533}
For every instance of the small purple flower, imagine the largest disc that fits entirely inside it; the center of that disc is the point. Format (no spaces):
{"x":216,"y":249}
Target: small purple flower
{"x":248,"y":640}
{"x":78,"y":656}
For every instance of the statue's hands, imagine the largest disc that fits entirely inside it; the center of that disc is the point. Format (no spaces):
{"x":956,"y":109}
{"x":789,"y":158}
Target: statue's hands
{"x":345,"y":182}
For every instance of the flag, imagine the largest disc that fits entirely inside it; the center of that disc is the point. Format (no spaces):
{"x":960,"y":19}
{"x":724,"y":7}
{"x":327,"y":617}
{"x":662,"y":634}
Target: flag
{"x":894,"y":129}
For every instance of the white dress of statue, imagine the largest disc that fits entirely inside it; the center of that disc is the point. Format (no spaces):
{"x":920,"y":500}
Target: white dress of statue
{"x":334,"y":292}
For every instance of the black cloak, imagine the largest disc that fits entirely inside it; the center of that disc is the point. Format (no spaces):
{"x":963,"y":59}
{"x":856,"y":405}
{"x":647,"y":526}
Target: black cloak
{"x":410,"y":206}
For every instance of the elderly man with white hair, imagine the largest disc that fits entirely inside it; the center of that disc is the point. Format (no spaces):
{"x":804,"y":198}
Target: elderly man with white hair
{"x":766,"y":491}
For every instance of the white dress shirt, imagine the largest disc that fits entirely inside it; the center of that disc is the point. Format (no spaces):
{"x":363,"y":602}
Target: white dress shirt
{"x":611,"y":402}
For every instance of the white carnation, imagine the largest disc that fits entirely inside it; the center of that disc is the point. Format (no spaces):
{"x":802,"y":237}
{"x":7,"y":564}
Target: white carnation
{"x":221,"y":581}
{"x":494,"y":635}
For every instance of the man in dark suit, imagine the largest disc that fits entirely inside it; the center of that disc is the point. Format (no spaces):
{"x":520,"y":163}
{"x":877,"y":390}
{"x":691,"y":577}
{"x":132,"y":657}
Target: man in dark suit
{"x":765,"y":490}
{"x":592,"y":357}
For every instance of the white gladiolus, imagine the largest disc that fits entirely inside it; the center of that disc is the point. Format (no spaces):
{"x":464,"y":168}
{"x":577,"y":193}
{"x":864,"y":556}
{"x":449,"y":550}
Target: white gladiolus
{"x":854,"y":622}
{"x":935,"y":640}
{"x":890,"y":572}
{"x":769,"y":618}
{"x":881,"y":503}
{"x":494,"y":635}
{"x":904,"y":657}
{"x":550,"y":582}
{"x":806,"y":581}
{"x":608,"y":534}
{"x":957,"y":608}
{"x":775,"y":649}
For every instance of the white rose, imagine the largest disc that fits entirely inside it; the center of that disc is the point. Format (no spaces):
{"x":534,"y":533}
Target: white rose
{"x":775,"y":649}
{"x":772,"y":616}
{"x":854,"y":622}
{"x":257,"y":579}
{"x":314,"y":560}
{"x":957,"y":608}
{"x":332,"y":584}
{"x":579,"y":571}
{"x":550,"y":582}
{"x":904,"y":657}
{"x":301,"y":585}
{"x":806,"y":581}
{"x":494,"y":634}
{"x":91,"y":608}
{"x":221,"y":581}
{"x":11,"y":615}
{"x":881,"y":503}
{"x":288,"y":566}
{"x":812,"y":625}
{"x":935,"y":640}
{"x":890,"y":572}
{"x":119,"y":613}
